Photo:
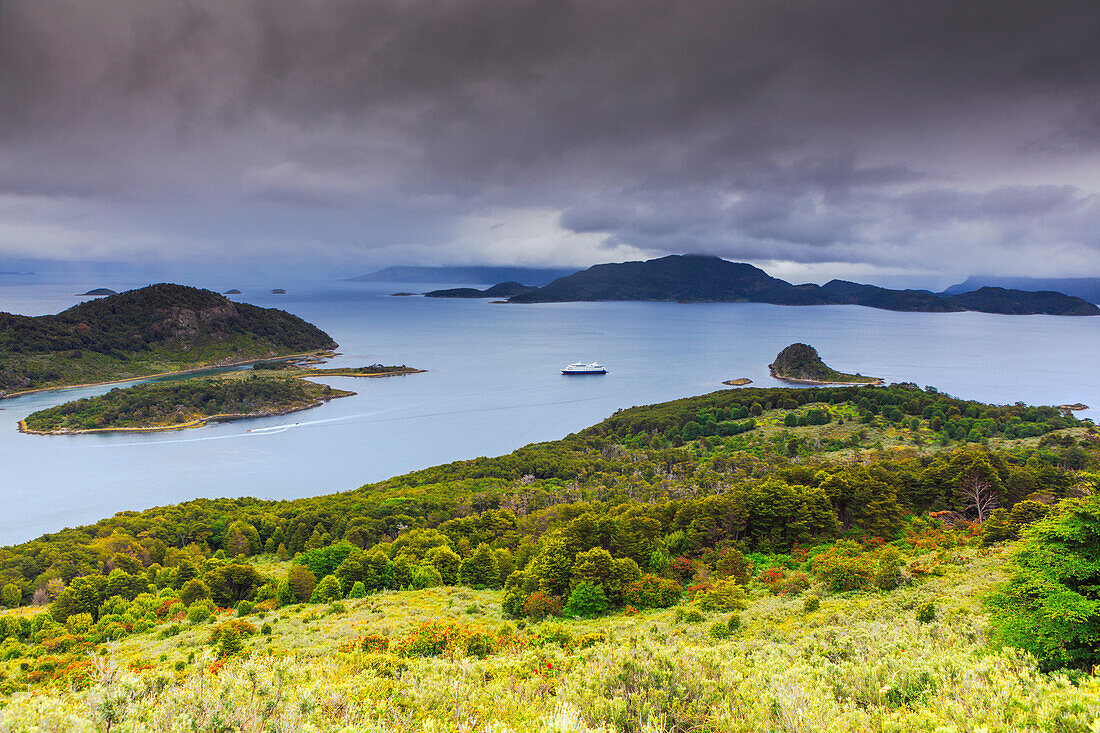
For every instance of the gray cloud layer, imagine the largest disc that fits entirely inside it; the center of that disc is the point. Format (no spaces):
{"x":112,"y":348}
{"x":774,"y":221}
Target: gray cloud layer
{"x":943,"y":136}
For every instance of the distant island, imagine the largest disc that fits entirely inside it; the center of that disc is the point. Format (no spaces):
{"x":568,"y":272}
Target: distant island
{"x":1087,"y":288}
{"x":234,"y":291}
{"x":101,"y":291}
{"x":271,"y":388}
{"x":703,"y":279}
{"x":278,"y":291}
{"x":158,"y":329}
{"x":501,"y":290}
{"x":800,"y":363}
{"x":465,"y":275}
{"x":184,"y":404}
{"x":374,"y":370}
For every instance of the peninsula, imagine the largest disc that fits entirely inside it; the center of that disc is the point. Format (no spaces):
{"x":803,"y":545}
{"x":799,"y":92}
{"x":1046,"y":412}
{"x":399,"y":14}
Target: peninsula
{"x":139,"y":333}
{"x":800,"y":363}
{"x":706,"y":279}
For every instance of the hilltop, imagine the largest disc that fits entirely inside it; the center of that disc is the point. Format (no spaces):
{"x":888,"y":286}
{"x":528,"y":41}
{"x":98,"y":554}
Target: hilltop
{"x":156,"y":329}
{"x":801,"y":363}
{"x":699,"y":278}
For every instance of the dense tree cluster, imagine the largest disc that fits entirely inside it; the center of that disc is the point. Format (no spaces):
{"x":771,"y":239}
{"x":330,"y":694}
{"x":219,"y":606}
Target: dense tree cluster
{"x":178,"y":402}
{"x":608,"y":513}
{"x":715,"y":414}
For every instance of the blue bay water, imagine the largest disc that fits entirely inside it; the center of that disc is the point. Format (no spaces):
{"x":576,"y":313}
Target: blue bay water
{"x":494,"y":384}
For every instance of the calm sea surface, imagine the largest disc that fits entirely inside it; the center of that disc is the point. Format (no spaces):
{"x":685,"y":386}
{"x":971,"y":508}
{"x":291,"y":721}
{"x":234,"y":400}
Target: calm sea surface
{"x":494,"y":385}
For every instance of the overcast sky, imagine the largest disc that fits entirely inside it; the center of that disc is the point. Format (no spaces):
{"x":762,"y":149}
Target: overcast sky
{"x":816,"y":138}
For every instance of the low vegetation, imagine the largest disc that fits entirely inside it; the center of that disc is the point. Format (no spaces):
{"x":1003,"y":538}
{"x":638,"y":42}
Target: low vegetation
{"x":840,"y":559}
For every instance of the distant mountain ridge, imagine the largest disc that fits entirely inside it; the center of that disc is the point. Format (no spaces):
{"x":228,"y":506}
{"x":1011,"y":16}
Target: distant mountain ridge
{"x":500,"y":290}
{"x":704,"y":278}
{"x":1087,"y":288}
{"x":471,"y":275}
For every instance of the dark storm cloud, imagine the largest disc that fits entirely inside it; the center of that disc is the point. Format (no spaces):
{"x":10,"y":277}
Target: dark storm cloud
{"x":813,"y":130}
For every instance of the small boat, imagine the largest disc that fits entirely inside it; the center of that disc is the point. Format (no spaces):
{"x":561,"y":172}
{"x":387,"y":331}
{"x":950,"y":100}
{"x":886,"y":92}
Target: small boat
{"x":582,"y":368}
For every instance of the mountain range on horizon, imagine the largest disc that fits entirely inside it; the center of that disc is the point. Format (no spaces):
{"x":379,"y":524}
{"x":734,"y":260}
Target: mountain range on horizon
{"x":706,"y":278}
{"x":1087,"y":288}
{"x":465,"y":275}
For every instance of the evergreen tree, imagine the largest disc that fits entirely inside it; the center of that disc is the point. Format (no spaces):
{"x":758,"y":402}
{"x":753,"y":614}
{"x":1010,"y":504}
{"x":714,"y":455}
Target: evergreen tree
{"x":301,"y":582}
{"x":11,"y":595}
{"x":479,"y":570}
{"x":230,"y":643}
{"x":327,"y":591}
{"x":426,"y":576}
{"x":193,"y":591}
{"x":447,"y":562}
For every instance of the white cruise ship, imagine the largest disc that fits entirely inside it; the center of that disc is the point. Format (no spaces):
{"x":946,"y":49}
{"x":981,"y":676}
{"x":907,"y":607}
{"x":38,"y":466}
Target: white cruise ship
{"x":582,"y":368}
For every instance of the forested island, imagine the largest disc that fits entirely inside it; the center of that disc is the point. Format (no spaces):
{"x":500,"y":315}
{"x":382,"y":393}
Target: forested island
{"x":270,"y":388}
{"x":373,"y":370}
{"x":182,"y":404}
{"x":882,"y":556}
{"x":158,"y":329}
{"x":702,"y":279}
{"x":800,"y":363}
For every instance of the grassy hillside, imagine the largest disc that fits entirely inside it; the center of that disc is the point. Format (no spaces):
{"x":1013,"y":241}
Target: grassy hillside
{"x":160,"y":328}
{"x":749,"y":560}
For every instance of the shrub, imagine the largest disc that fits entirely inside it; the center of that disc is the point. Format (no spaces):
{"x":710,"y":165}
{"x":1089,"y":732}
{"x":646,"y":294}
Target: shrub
{"x":358,"y":590}
{"x":266,"y":629}
{"x":193,"y":590}
{"x":926,"y":612}
{"x":733,"y":622}
{"x":327,"y":591}
{"x":244,"y":608}
{"x":587,"y":599}
{"x":374,"y":643}
{"x":844,"y":567}
{"x":200,"y":611}
{"x":692,"y":616}
{"x":723,"y":595}
{"x":426,"y":576}
{"x":811,"y":604}
{"x":719,"y":630}
{"x":79,"y":623}
{"x":1050,"y":605}
{"x":540,"y":605}
{"x":652,"y":591}
{"x":588,"y":640}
